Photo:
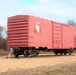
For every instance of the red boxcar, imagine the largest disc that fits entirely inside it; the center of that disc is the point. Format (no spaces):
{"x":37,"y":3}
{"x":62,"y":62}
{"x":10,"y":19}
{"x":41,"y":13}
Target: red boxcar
{"x":28,"y":35}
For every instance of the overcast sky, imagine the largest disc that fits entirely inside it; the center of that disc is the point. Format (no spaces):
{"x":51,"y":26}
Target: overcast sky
{"x":58,"y":10}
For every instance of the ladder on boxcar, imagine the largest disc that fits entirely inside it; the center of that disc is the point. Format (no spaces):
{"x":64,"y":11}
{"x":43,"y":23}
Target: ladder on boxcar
{"x":57,"y":36}
{"x":75,"y":39}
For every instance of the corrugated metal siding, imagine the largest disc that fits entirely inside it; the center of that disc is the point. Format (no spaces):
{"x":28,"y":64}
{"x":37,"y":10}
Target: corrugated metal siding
{"x":57,"y":35}
{"x":18,"y":31}
{"x":21,"y":33}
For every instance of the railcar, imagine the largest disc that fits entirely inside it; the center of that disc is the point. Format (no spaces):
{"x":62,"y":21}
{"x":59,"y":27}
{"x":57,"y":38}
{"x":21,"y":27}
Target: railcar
{"x":28,"y":35}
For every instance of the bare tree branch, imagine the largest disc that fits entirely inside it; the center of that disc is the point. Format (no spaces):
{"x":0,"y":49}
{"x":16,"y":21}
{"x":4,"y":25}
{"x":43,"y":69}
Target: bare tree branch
{"x":71,"y":22}
{"x":1,"y":29}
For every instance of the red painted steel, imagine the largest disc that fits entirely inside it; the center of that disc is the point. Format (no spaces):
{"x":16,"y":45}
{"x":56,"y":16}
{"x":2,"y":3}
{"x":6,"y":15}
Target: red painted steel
{"x":30,"y":31}
{"x":18,"y":31}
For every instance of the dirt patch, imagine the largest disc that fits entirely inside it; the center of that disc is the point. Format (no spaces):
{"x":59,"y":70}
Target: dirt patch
{"x":69,"y":69}
{"x":29,"y":63}
{"x":2,"y":52}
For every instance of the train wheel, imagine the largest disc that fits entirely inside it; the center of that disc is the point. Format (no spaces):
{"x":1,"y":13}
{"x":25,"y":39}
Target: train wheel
{"x":65,"y":52}
{"x":26,"y":53}
{"x":61,"y":53}
{"x":70,"y":52}
{"x":15,"y":53}
{"x":56,"y":53}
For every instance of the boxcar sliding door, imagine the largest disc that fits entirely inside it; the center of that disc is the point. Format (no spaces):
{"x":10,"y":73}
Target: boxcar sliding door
{"x":56,"y":35}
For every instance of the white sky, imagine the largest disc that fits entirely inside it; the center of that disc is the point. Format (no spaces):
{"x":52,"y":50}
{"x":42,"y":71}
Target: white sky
{"x":58,"y":10}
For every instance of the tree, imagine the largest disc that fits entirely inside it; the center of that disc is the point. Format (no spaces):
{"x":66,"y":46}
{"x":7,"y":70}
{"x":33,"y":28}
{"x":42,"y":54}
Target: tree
{"x":2,"y":39}
{"x":1,"y":29}
{"x":71,"y":22}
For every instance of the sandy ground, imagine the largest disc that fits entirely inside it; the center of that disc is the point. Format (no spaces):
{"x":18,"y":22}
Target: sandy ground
{"x":28,"y":63}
